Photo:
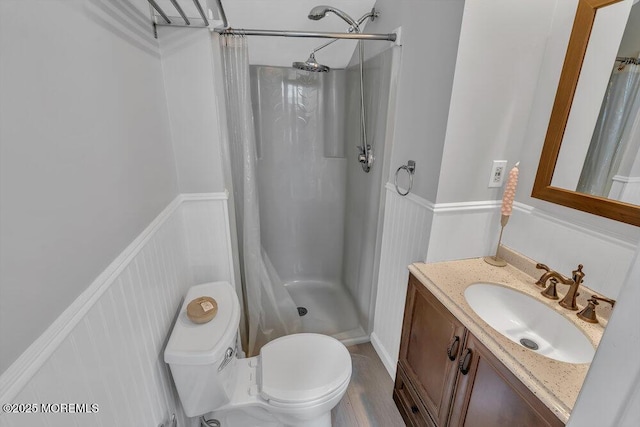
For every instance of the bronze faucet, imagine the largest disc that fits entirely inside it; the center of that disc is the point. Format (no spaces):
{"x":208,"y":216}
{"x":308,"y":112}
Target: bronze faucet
{"x":569,"y":300}
{"x":542,"y":282}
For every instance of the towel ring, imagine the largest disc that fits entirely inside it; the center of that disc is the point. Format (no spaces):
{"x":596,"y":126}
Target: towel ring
{"x":410,"y":167}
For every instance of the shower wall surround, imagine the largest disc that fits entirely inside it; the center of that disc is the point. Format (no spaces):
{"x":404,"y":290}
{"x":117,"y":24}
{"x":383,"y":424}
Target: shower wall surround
{"x":320,"y":213}
{"x":365,"y":191}
{"x":301,"y":191}
{"x":107,"y":347}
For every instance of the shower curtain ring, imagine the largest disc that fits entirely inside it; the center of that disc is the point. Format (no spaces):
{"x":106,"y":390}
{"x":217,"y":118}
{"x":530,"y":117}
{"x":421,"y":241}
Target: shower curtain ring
{"x":410,"y":168}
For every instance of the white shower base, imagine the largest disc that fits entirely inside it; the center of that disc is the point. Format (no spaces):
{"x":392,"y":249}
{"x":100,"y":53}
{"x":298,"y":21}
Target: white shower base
{"x":330,"y":310}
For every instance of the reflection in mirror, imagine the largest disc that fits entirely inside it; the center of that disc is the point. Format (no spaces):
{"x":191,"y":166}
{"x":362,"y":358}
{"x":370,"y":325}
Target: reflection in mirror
{"x":598,"y":157}
{"x":612,"y":166}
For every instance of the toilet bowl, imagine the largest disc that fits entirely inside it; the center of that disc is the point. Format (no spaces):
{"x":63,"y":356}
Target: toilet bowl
{"x":296,"y":380}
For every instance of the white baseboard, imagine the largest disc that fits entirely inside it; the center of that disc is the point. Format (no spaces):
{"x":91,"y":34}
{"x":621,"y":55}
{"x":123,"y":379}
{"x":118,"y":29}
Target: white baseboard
{"x":390,"y":363}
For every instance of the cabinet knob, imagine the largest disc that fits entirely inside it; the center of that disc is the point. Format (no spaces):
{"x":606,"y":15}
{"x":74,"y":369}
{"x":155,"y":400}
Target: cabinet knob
{"x":465,"y":362}
{"x":414,"y":409}
{"x":452,"y":350}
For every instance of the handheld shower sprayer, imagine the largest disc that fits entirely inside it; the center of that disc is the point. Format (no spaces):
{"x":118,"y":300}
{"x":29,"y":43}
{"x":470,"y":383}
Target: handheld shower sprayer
{"x":320,"y":12}
{"x":365,"y":152}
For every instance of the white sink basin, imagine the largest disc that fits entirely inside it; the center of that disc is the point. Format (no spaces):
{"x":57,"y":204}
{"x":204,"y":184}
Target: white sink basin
{"x":529,"y":322}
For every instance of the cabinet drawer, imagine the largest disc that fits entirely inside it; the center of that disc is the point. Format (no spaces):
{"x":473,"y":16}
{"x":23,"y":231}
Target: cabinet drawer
{"x":407,"y":401}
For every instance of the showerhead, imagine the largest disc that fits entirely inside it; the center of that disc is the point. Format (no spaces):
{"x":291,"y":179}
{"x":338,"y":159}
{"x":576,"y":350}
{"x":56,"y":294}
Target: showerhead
{"x":311,"y":65}
{"x":320,"y":12}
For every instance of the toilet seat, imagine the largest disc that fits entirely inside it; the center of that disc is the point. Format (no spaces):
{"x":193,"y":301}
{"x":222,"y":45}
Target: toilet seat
{"x":303,"y":369}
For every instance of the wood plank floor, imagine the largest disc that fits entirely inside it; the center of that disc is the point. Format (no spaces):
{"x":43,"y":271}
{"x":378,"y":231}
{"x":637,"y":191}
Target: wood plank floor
{"x":368,"y":401}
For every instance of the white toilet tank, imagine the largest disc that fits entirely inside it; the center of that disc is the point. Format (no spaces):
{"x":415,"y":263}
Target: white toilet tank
{"x":202,"y":356}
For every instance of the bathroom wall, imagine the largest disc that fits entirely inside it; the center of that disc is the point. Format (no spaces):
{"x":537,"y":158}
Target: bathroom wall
{"x":512,"y":55}
{"x":501,"y":47}
{"x":86,"y":160}
{"x":430,"y":33}
{"x":572,"y":243}
{"x":107,"y":347}
{"x":407,"y":224}
{"x":509,"y":61}
{"x":610,"y":396}
{"x":188,"y":69}
{"x":365,"y":191}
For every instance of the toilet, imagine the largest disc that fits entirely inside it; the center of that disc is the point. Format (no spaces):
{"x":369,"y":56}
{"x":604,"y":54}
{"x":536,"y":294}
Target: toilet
{"x":295,"y":381}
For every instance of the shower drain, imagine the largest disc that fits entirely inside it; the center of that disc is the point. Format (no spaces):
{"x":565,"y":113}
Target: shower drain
{"x":302,"y":311}
{"x":530,"y":344}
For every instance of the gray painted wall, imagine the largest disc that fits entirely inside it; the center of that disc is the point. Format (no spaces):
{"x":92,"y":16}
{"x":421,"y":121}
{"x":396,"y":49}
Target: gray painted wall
{"x":187,"y":65}
{"x":430,"y":33}
{"x":86,"y":161}
{"x":501,"y":47}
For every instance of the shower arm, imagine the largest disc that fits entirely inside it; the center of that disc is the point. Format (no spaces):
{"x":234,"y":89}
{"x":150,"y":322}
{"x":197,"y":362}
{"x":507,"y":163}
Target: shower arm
{"x":226,"y":29}
{"x":365,"y":155}
{"x":373,"y":15}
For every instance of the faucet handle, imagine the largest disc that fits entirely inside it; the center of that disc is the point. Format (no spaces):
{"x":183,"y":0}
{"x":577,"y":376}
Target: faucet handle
{"x":609,"y":300}
{"x":551,"y":291}
{"x":588,"y":314}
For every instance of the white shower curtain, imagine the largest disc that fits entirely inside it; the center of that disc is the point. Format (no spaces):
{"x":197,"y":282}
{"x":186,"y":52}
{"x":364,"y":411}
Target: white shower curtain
{"x":270,"y":311}
{"x":619,"y":109}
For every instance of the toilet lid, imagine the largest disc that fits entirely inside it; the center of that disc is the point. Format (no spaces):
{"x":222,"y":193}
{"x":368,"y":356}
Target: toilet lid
{"x":303,"y":367}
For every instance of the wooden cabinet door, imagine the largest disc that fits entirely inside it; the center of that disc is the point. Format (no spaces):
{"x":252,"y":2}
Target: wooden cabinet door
{"x":489,"y":395}
{"x":432,"y":340}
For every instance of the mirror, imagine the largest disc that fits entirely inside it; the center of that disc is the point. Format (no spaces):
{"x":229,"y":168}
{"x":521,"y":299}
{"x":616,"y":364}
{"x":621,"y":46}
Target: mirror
{"x":591,"y":157}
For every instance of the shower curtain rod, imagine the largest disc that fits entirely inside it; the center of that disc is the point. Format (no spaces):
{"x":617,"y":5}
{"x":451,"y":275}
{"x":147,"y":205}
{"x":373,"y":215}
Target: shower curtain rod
{"x":628,"y":59}
{"x":320,"y":35}
{"x":225,"y":29}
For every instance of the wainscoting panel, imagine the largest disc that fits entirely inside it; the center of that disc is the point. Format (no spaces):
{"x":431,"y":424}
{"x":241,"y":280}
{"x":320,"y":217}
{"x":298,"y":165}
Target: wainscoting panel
{"x":464,"y":230}
{"x":206,"y":225}
{"x":405,"y":239}
{"x":625,"y":189}
{"x":107,"y":347}
{"x":469,"y":230}
{"x":562,"y":245}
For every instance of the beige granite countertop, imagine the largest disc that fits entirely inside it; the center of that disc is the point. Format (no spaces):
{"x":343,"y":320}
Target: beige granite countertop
{"x":556,"y":383}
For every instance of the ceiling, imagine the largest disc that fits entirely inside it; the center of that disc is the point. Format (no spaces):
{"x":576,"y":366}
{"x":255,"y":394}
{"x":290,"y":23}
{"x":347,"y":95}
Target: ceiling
{"x":285,"y":15}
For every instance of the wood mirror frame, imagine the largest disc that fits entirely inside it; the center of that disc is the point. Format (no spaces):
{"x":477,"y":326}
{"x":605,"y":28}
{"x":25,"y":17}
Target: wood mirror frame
{"x":542,"y":189}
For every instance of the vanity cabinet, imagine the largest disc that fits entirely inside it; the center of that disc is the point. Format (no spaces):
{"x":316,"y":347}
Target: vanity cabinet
{"x":446,"y":377}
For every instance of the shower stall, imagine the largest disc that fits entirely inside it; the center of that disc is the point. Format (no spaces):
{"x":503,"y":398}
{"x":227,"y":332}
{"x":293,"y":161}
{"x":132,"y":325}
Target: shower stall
{"x":308,"y":152}
{"x":320,"y":212}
